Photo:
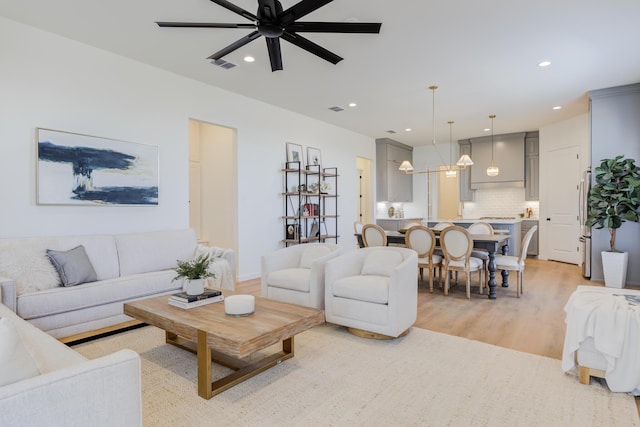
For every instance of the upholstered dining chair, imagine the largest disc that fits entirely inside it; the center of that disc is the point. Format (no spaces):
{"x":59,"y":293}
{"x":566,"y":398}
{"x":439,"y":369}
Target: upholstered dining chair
{"x":481,"y":227}
{"x":357,"y":229}
{"x":373,"y":235}
{"x":422,"y":240}
{"x":442,"y":225}
{"x":457,"y":244}
{"x":513,"y":263}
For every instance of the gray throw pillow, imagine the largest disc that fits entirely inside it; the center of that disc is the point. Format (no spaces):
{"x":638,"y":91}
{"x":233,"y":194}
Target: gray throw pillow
{"x":73,"y":266}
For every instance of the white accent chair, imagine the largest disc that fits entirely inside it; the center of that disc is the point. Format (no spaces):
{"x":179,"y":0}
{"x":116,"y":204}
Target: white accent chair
{"x":373,"y":290}
{"x":456,"y":243}
{"x":373,"y":235}
{"x":295,"y":274}
{"x":422,"y":240}
{"x":513,"y":263}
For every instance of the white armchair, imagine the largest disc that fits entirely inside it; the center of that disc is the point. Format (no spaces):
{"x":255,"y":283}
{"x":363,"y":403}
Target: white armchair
{"x":373,"y":290}
{"x":295,"y":274}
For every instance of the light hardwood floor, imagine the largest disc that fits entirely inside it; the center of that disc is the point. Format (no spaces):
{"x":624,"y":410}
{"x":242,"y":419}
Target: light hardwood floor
{"x":533,"y":323}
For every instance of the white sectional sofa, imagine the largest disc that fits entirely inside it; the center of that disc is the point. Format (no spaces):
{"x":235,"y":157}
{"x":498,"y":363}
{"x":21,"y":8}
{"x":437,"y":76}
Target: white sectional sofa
{"x":127,"y":266}
{"x":66,"y":389}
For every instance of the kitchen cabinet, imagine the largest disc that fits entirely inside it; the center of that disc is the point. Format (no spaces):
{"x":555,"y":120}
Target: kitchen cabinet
{"x":395,"y":224}
{"x":527,"y":224}
{"x":466,"y":194}
{"x":508,"y":156}
{"x":532,"y":167}
{"x":392,"y":184}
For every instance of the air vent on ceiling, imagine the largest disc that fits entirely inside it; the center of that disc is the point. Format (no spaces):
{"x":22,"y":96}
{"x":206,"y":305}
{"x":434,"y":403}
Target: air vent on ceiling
{"x":223,"y":64}
{"x":391,"y":131}
{"x":336,"y":109}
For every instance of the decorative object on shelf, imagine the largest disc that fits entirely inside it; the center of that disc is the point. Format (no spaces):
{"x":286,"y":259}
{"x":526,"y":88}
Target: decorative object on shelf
{"x":294,"y":153}
{"x":314,"y":156}
{"x":492,"y":170}
{"x":194,"y":273}
{"x":321,"y":187}
{"x":614,"y":199}
{"x":449,"y":168}
{"x":75,"y":169}
{"x":239,"y":305}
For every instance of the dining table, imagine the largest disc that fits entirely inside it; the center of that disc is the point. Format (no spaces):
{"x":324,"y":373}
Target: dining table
{"x":489,"y":242}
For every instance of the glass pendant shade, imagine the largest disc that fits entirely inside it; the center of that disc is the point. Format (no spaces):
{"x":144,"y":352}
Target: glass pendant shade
{"x":406,"y":166}
{"x":493,"y":170}
{"x":464,"y":161}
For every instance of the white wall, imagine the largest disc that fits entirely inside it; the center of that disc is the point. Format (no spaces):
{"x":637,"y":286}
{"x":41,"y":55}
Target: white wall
{"x":52,"y":82}
{"x":567,"y":133}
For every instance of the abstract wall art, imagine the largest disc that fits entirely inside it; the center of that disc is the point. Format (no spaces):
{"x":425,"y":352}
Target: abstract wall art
{"x":75,"y":169}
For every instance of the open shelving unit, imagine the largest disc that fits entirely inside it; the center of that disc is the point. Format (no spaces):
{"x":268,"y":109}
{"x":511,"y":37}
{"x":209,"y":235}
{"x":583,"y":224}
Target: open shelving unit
{"x":309,"y":216}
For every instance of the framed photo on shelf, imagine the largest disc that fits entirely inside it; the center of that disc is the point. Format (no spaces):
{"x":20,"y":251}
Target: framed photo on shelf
{"x":294,"y":153}
{"x":314,"y":157}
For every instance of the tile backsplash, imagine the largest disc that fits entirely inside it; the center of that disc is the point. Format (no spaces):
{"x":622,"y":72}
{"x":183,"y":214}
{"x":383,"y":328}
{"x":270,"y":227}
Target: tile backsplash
{"x":504,"y":202}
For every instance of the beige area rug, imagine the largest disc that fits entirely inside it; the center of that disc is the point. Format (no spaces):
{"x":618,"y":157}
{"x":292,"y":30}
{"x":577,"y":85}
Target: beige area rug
{"x":337,"y":379}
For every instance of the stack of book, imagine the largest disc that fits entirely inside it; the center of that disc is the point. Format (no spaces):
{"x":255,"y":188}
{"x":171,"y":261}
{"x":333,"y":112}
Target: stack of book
{"x":183,"y":300}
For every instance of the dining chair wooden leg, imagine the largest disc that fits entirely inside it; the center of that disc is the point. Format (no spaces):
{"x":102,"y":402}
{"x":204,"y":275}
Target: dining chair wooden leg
{"x":430,"y":280}
{"x":468,"y":285}
{"x":446,"y":282}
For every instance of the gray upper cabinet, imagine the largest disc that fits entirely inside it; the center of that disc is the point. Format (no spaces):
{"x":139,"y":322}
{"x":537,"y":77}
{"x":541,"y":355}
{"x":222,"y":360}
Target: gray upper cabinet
{"x":532,"y":167}
{"x":392,"y":184}
{"x":508,"y":155}
{"x":466,"y":194}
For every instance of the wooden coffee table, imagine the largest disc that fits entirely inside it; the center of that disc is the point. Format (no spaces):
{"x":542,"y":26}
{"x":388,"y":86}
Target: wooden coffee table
{"x":213,"y":336}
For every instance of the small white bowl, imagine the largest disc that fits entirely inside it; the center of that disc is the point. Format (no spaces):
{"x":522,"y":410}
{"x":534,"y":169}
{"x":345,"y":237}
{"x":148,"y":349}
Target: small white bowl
{"x":239,"y":305}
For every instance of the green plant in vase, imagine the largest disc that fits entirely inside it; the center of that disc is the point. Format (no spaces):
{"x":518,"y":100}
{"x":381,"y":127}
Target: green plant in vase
{"x":194,"y":273}
{"x":613,"y":200}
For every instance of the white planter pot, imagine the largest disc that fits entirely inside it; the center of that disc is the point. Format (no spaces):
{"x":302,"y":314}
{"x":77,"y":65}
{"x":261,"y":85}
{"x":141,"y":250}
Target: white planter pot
{"x":614,"y":266}
{"x":193,"y":287}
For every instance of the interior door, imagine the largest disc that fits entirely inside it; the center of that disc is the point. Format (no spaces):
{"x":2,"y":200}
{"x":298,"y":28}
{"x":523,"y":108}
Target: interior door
{"x":563,"y":192}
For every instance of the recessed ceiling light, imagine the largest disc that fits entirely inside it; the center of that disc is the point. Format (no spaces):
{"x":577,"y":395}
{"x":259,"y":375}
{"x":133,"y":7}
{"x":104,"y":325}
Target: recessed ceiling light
{"x":487,"y":129}
{"x":407,"y":130}
{"x":352,"y":104}
{"x":249,"y":58}
{"x":544,"y":64}
{"x":557,"y":107}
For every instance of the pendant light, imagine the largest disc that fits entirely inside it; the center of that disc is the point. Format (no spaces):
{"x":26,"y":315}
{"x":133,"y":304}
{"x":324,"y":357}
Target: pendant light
{"x":493,"y":169}
{"x":450,"y":173}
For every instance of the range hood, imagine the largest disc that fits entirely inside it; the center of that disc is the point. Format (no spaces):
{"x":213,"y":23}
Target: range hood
{"x":508,"y":155}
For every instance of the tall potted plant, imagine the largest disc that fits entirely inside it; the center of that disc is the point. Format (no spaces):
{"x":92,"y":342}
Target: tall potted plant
{"x":614,"y":199}
{"x":194,"y":273}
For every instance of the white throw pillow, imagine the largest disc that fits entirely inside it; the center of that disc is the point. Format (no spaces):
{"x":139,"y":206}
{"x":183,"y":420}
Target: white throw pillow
{"x":381,"y":263}
{"x":312,"y":253}
{"x":29,"y":266}
{"x":16,"y":363}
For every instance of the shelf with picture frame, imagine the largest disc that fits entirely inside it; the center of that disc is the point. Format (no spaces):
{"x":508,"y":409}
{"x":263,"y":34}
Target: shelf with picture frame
{"x":310,"y":198}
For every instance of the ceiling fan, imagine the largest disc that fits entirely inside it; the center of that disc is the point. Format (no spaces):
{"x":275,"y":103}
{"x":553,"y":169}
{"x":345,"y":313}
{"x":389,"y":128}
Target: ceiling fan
{"x":272,"y":22}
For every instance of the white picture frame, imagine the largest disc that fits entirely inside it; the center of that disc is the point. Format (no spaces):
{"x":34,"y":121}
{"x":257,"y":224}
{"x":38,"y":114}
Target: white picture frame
{"x":294,"y":154}
{"x":314,"y":156}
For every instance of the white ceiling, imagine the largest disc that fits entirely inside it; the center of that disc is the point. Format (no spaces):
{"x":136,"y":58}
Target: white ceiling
{"x":483,"y":55}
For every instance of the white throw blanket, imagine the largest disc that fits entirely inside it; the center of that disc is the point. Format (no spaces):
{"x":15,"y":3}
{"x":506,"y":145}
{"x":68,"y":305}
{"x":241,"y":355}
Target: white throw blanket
{"x":604,"y":315}
{"x":219,"y":266}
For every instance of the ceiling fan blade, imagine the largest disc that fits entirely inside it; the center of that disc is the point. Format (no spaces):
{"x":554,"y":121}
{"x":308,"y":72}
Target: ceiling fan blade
{"x":203,"y":25}
{"x":233,"y":8}
{"x":235,"y":45}
{"x":268,"y":9}
{"x":300,"y":9}
{"x":335,"y":27}
{"x":275,"y":55}
{"x":311,"y":47}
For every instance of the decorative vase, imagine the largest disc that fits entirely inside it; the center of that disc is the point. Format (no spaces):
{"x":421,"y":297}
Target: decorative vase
{"x":614,"y":267}
{"x":194,"y":286}
{"x":392,"y":212}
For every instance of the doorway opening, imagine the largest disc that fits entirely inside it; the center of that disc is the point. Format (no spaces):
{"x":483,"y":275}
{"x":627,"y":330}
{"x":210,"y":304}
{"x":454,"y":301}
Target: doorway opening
{"x":213,"y":202}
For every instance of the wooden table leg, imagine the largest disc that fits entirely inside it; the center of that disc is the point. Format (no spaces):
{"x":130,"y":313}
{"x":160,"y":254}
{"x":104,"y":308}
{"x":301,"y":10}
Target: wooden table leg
{"x":204,"y":366}
{"x":505,"y":273}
